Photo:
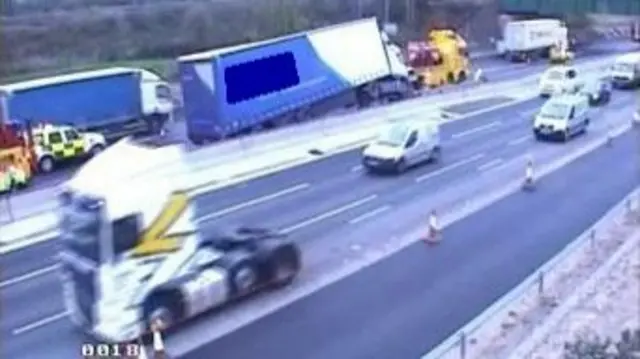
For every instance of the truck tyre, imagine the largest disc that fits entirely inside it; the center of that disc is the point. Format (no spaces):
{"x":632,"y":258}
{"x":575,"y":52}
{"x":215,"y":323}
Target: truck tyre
{"x":450,"y":78}
{"x":162,"y":313}
{"x":242,"y":274}
{"x":462,"y":76}
{"x":46,"y":164}
{"x":286,"y":265}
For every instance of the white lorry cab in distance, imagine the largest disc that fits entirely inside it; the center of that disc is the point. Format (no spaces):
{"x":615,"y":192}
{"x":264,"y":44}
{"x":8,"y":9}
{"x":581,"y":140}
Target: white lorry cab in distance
{"x":560,"y":80}
{"x":625,"y":72}
{"x":132,"y":252}
{"x":562,"y":117}
{"x":402,"y":145}
{"x":528,"y":39}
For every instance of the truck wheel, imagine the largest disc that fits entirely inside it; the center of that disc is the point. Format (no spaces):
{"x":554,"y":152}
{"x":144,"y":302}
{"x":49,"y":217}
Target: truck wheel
{"x":462,"y":76}
{"x":244,"y":278}
{"x":450,"y":78}
{"x":162,"y":314}
{"x":287,"y":266}
{"x":46,"y":164}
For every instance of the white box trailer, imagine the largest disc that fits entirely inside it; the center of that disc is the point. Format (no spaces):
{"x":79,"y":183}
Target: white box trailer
{"x":525,"y":39}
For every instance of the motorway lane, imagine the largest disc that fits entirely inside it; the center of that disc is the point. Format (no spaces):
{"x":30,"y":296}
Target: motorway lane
{"x":42,"y":255}
{"x":316,"y":229}
{"x":405,"y":304}
{"x":496,"y":70}
{"x":32,"y":310}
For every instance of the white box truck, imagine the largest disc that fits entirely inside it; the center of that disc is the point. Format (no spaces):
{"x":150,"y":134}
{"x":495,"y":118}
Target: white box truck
{"x":526,"y":39}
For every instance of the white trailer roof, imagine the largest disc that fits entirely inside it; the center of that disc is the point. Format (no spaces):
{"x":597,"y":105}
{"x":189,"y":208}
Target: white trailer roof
{"x":208,"y":55}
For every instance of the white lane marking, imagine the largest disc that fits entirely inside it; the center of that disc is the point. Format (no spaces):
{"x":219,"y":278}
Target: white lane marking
{"x":27,"y":276}
{"x":488,"y":126}
{"x":369,"y":214}
{"x":357,"y":168}
{"x":33,"y":240}
{"x":329,"y":214}
{"x":449,"y":168}
{"x":519,"y":140}
{"x":490,"y":164}
{"x":39,"y":323}
{"x":253,"y":202}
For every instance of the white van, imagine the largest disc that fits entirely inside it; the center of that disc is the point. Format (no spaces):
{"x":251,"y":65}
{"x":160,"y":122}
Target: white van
{"x":562,"y":117}
{"x":625,"y":72}
{"x":403,"y":145}
{"x":560,"y":80}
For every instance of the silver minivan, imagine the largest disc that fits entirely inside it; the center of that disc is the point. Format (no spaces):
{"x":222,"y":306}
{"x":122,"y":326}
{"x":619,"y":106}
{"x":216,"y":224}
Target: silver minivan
{"x":562,"y":117}
{"x":403,"y":145}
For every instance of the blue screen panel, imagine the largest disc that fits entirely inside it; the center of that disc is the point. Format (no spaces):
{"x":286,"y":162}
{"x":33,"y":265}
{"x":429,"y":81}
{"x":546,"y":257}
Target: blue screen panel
{"x":260,"y":77}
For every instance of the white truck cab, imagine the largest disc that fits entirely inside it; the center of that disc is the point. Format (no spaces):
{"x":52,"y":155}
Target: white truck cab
{"x":132,"y":252}
{"x":562,"y":117}
{"x":625,"y":72}
{"x":106,"y":269}
{"x":560,"y":80}
{"x":402,"y":145}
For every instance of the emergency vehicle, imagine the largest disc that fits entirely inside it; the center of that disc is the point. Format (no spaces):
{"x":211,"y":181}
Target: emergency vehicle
{"x":16,"y":165}
{"x":132,"y":252}
{"x":54,"y":144}
{"x":442,"y":59}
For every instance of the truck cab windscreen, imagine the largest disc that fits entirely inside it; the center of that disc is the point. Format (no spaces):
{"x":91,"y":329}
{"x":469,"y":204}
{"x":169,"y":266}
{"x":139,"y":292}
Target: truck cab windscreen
{"x":261,"y":77}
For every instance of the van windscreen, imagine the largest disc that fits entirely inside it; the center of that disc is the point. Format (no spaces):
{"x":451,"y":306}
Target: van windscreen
{"x":394,"y":136}
{"x":555,"y":110}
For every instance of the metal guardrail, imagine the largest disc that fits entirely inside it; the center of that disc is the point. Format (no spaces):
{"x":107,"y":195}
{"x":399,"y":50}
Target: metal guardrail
{"x":459,"y":341}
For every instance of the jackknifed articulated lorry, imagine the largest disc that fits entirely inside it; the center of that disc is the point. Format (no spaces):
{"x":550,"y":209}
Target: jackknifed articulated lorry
{"x":238,"y":89}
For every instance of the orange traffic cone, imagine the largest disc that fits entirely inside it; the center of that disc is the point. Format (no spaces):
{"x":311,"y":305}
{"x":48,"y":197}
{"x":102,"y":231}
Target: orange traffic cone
{"x":158,"y":343}
{"x":433,"y":235}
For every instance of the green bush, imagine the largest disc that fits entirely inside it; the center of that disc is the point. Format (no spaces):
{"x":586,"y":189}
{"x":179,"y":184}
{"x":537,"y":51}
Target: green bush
{"x":627,"y":347}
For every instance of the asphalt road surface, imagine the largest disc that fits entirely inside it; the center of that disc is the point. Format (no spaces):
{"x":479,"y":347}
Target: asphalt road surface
{"x":495,"y":69}
{"x":406,"y":304}
{"x":399,"y":307}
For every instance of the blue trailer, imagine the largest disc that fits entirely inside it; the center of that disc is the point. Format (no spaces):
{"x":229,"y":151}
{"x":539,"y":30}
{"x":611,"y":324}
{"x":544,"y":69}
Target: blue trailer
{"x":259,"y":85}
{"x":114,"y":101}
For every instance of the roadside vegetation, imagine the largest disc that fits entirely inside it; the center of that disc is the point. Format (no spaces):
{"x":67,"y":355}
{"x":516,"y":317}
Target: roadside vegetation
{"x":41,"y":37}
{"x":627,"y":346}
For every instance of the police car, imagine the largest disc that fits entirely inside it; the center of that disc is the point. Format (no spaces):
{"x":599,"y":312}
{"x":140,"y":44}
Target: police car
{"x":55,"y":144}
{"x":562,"y":117}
